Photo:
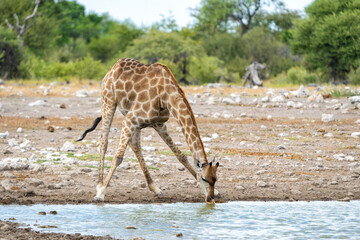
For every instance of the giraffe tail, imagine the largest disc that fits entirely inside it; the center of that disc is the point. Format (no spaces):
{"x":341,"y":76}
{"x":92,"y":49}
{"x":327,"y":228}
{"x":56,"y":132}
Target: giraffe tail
{"x":96,"y":122}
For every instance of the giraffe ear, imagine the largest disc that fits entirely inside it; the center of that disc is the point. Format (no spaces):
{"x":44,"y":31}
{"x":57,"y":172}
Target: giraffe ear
{"x":210,"y":164}
{"x":217,"y":164}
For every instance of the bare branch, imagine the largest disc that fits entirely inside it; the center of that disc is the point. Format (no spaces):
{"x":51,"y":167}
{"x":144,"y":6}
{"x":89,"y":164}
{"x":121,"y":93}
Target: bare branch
{"x":37,"y":2}
{"x":9,"y":25}
{"x":17,"y":20}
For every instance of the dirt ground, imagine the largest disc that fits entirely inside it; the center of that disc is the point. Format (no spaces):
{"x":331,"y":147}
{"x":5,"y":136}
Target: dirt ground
{"x":268,"y":148}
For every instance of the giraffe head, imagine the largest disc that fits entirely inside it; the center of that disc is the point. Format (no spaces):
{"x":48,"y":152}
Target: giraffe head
{"x":209,"y":177}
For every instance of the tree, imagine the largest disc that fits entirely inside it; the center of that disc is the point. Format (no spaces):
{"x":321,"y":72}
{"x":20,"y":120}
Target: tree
{"x":329,"y":37}
{"x":225,"y":15}
{"x":9,"y":53}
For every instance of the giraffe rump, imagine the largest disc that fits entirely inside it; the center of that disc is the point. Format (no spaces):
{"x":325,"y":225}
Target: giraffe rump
{"x":96,"y":122}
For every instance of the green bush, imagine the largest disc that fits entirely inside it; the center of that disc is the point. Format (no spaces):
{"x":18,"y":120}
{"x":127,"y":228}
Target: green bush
{"x":205,"y":69}
{"x":299,"y":75}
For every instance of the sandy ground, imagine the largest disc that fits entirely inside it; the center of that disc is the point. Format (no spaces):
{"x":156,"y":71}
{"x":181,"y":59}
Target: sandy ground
{"x":267,"y":149}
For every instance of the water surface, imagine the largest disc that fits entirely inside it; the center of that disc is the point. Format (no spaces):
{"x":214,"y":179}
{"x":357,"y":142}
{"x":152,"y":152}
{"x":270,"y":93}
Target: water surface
{"x":233,"y":220}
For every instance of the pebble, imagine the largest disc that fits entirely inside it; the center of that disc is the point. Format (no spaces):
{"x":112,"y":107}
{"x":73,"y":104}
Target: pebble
{"x":301,"y":92}
{"x":228,"y":101}
{"x":281,"y":147}
{"x":355,"y":134}
{"x":51,"y":129}
{"x":42,"y":213}
{"x":37,"y":103}
{"x":53,"y":212}
{"x":206,"y":139}
{"x":327,"y":117}
{"x":261,"y":184}
{"x":354,"y":99}
{"x":4,"y":135}
{"x":68,"y":147}
{"x":12,"y":142}
{"x":82,"y":93}
{"x":19,"y":130}
{"x":130,"y":227}
{"x":329,"y":135}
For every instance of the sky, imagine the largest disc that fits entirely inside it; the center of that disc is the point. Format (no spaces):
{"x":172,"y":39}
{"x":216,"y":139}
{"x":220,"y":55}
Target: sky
{"x":146,"y":12}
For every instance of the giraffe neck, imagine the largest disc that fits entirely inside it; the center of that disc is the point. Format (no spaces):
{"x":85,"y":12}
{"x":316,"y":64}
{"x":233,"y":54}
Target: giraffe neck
{"x":182,"y":112}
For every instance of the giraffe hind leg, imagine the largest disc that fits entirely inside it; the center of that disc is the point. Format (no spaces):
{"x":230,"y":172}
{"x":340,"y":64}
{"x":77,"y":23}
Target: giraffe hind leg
{"x":136,"y":147}
{"x":126,"y":134}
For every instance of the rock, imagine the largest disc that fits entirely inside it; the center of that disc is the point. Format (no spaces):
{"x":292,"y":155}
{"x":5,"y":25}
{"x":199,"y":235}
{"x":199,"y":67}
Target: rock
{"x":179,"y":235}
{"x":25,"y":144}
{"x":148,"y":138}
{"x":130,"y":227}
{"x":228,"y":101}
{"x":68,"y":147}
{"x":265,"y":99}
{"x":42,"y":213}
{"x":37,"y":103}
{"x":354,"y":99}
{"x":357,"y":121}
{"x":263,"y":127}
{"x":211,"y":101}
{"x":355,"y":134}
{"x":295,"y":192}
{"x":327,"y":117}
{"x":206,"y":139}
{"x":329,"y":135}
{"x":301,"y":92}
{"x":279,"y":98}
{"x":214,"y":135}
{"x":125,"y":166}
{"x":4,"y":135}
{"x":149,"y":148}
{"x":12,"y":142}
{"x":262,"y":184}
{"x":53,"y":212}
{"x":14,"y":164}
{"x":180,"y":167}
{"x":19,"y":130}
{"x":62,"y":106}
{"x":178,"y":143}
{"x":51,"y":129}
{"x":339,"y":156}
{"x":281,"y":147}
{"x":349,"y":158}
{"x":243,"y":115}
{"x":290,"y":104}
{"x":240,"y":187}
{"x":82,"y":93}
{"x":318,"y":98}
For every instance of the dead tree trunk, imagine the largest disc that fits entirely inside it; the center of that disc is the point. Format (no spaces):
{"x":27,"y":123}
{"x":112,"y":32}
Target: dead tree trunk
{"x":252,"y":74}
{"x":21,"y":29}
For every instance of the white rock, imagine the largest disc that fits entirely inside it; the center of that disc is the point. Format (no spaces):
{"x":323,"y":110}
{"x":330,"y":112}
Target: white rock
{"x":47,"y":91}
{"x":243,"y":115}
{"x":25,"y":144}
{"x":215,"y":135}
{"x":19,"y":130}
{"x":228,"y":101}
{"x":216,"y":85}
{"x":4,"y":135}
{"x":197,"y":95}
{"x":261,"y":184}
{"x":12,"y":142}
{"x":298,"y":105}
{"x":301,"y":92}
{"x":148,"y":138}
{"x":82,"y":93}
{"x":355,"y":134}
{"x":279,"y":98}
{"x":178,"y":143}
{"x":149,"y":148}
{"x":290,"y":104}
{"x":327,"y":117}
{"x":354,"y":99}
{"x":339,"y":156}
{"x":269,"y":117}
{"x":206,"y":139}
{"x":238,"y":100}
{"x":68,"y":147}
{"x":357,"y":121}
{"x":281,"y":147}
{"x":349,"y":158}
{"x":211,"y":101}
{"x":228,"y":115}
{"x":265,"y":99}
{"x":37,"y":103}
{"x":329,"y":135}
{"x":319,"y":98}
{"x":283,"y":134}
{"x":263,"y":127}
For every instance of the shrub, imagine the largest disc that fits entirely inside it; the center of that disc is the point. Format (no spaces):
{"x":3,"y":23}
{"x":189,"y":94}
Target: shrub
{"x":299,"y":75}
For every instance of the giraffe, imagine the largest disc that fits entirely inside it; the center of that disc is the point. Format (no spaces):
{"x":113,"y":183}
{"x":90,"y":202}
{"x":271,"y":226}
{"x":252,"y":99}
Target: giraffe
{"x":146,"y":94}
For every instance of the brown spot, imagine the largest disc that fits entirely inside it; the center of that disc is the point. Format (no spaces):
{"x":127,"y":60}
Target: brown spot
{"x":153,"y":113}
{"x":132,"y":95}
{"x":146,"y":106}
{"x":153,"y":92}
{"x":140,"y":70}
{"x":128,"y":59}
{"x":153,"y":81}
{"x":143,"y":96}
{"x":119,"y":85}
{"x":128,"y":86}
{"x":122,"y":64}
{"x":127,"y":68}
{"x":117,"y":73}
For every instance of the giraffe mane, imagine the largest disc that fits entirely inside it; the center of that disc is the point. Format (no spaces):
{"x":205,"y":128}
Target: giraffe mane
{"x":187,"y":105}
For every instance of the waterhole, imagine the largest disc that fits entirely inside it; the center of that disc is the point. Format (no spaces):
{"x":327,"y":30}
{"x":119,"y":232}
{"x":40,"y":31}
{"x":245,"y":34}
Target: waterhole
{"x":233,"y":220}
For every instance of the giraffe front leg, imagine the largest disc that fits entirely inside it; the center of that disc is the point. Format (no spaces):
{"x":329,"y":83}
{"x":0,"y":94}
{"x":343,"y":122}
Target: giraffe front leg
{"x":136,"y":147}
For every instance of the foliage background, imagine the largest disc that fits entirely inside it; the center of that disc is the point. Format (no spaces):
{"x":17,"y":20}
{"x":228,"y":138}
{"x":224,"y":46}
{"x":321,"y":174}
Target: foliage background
{"x":65,"y":43}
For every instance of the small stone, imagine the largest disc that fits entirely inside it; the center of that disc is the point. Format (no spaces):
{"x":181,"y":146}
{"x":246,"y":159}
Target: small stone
{"x":281,"y":147}
{"x":295,"y":192}
{"x":4,"y":135}
{"x":37,"y":103}
{"x":355,"y":135}
{"x":130,"y":227}
{"x":214,"y":135}
{"x":62,"y":106}
{"x":240,"y":187}
{"x":228,"y":101}
{"x":354,"y":99}
{"x":19,"y":130}
{"x":279,"y":98}
{"x":329,"y":135}
{"x":179,"y":235}
{"x":42,"y":213}
{"x":327,"y":117}
{"x":261,"y":184}
{"x":68,"y":147}
{"x":206,"y":139}
{"x":51,"y":129}
{"x":180,"y":167}
{"x":53,"y":212}
{"x":12,"y":142}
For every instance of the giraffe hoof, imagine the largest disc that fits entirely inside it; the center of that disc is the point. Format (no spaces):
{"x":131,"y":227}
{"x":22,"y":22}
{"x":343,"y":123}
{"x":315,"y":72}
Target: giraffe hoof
{"x":98,"y":199}
{"x":160,"y":194}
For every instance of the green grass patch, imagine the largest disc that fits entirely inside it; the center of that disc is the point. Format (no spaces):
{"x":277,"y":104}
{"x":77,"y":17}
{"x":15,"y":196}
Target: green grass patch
{"x":293,"y":138}
{"x":337,"y":93}
{"x":88,"y":157}
{"x":67,"y":167}
{"x":41,"y":161}
{"x":170,"y":153}
{"x":153,"y":168}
